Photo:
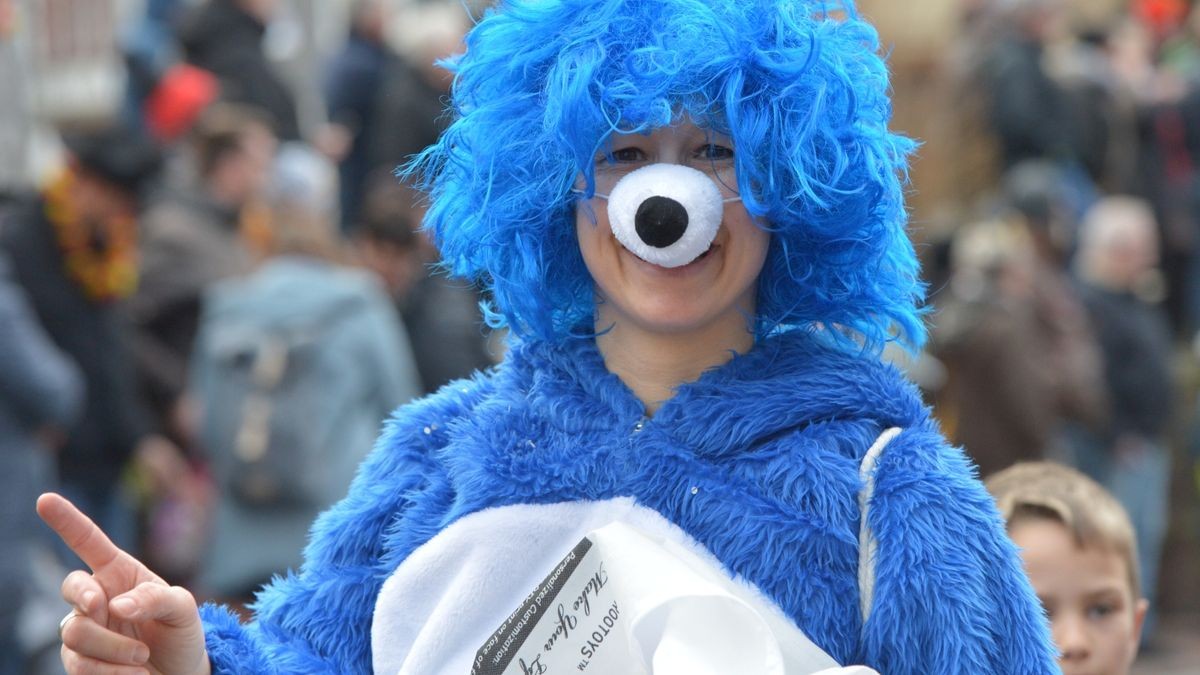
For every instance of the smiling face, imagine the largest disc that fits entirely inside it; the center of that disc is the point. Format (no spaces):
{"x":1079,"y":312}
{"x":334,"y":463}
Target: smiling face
{"x":715,"y":291}
{"x":1094,"y":617}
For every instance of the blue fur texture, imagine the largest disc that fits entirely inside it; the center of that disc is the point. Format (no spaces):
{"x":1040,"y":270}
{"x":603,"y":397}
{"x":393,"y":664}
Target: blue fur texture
{"x":771,"y":442}
{"x":798,"y":84}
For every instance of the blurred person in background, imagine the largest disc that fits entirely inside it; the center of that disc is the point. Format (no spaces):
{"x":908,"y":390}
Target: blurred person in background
{"x":1121,"y":288}
{"x":1019,"y":100}
{"x":1001,"y":396}
{"x":1025,"y":364}
{"x":1026,"y":107}
{"x":413,"y":93}
{"x":15,"y":113}
{"x":1168,"y":115}
{"x":1181,"y":51}
{"x":294,"y":371}
{"x":1178,"y":143}
{"x":226,"y":38}
{"x":74,"y":251}
{"x":1045,"y":200}
{"x":1100,"y":107}
{"x":975,"y":164}
{"x":441,"y":315}
{"x":352,"y":91}
{"x":41,"y":393}
{"x":191,"y":238}
{"x":177,"y":101}
{"x":150,"y":50}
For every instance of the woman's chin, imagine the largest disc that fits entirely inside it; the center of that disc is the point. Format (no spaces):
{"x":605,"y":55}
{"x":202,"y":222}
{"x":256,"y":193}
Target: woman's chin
{"x":671,"y":313}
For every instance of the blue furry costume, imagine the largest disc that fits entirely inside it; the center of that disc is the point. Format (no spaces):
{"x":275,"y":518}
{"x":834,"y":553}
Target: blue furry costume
{"x":759,"y":459}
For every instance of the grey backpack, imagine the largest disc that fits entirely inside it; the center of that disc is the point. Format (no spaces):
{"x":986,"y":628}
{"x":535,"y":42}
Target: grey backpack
{"x":267,"y":421}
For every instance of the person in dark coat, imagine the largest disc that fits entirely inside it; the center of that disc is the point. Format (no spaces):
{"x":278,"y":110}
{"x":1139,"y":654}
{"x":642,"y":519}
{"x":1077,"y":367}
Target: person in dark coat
{"x":1117,"y":259}
{"x":73,"y":249}
{"x":1026,"y":106}
{"x":225,"y":37}
{"x":441,"y":315}
{"x":412,"y":97}
{"x":352,"y":86}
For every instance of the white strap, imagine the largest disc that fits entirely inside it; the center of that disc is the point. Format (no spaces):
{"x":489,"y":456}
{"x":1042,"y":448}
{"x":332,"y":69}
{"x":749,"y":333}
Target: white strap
{"x":867,"y":544}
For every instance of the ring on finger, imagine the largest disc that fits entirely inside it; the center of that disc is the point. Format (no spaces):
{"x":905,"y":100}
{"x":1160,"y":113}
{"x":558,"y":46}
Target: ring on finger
{"x":62,"y":625}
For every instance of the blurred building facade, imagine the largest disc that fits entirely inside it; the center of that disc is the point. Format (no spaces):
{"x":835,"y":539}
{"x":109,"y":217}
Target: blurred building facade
{"x":60,"y":62}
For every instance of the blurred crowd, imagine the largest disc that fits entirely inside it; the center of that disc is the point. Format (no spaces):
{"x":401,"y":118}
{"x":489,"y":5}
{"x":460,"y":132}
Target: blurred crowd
{"x":1068,"y":295}
{"x":208,"y":310}
{"x":208,"y":291}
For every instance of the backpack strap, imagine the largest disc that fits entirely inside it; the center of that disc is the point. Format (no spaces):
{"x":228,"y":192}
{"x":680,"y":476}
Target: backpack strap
{"x":867,"y":544}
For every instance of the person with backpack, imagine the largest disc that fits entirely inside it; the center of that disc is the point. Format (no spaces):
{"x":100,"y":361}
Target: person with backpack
{"x":294,"y":370}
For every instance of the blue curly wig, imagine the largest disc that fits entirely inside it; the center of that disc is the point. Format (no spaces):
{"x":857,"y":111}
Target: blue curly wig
{"x":799,"y":86}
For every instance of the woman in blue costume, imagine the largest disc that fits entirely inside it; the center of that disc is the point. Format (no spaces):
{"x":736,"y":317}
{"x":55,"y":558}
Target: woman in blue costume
{"x":690,"y":215}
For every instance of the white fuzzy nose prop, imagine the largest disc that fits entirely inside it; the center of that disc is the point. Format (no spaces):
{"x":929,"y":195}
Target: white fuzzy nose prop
{"x":666,"y":214}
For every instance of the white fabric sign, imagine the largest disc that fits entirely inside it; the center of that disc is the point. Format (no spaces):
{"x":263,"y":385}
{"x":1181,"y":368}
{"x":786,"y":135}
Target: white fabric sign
{"x":592,"y":587}
{"x":623,"y":603}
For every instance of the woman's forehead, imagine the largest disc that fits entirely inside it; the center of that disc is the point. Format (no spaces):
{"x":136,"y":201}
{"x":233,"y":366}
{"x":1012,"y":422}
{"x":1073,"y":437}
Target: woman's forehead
{"x":684,"y":128}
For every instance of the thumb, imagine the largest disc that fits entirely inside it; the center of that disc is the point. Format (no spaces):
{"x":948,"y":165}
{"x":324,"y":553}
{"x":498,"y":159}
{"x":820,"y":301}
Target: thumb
{"x":153,"y":601}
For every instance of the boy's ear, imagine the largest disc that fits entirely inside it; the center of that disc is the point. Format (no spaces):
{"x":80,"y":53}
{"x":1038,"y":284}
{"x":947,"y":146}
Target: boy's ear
{"x":1139,"y":619}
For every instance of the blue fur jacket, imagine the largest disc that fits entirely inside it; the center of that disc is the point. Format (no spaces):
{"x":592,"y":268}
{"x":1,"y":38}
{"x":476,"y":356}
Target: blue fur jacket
{"x":758,"y":461}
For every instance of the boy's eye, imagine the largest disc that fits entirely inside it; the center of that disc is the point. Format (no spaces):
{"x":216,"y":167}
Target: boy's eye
{"x":1100,"y":610}
{"x":714,"y":152}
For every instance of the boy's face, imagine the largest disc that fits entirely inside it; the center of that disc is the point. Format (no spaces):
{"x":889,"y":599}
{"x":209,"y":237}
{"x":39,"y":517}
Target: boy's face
{"x":1094,"y":616}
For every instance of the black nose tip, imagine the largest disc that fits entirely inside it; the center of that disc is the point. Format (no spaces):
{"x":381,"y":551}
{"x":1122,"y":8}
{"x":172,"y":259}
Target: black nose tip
{"x":661,"y":221}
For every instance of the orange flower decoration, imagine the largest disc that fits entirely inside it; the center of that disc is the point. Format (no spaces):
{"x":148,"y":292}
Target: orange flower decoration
{"x":101,"y":258}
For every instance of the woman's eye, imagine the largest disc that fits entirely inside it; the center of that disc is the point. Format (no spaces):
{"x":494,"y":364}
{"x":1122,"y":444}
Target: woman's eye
{"x":713,"y":152}
{"x":626,"y":155}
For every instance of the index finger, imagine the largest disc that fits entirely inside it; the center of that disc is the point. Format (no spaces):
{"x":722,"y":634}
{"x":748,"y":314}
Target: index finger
{"x":84,"y":537}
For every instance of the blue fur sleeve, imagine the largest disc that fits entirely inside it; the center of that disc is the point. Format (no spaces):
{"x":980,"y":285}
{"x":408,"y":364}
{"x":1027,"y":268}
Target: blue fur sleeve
{"x":319,"y":619}
{"x":950,"y":594}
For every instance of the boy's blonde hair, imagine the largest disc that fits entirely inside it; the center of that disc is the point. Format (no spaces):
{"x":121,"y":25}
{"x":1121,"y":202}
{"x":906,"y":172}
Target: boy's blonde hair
{"x":1049,"y":491}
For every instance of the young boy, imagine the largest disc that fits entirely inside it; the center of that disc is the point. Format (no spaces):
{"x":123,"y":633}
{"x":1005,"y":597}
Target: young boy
{"x":1078,"y":548}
